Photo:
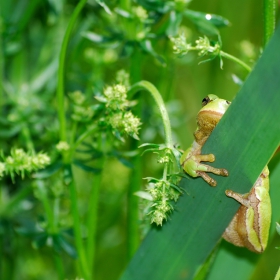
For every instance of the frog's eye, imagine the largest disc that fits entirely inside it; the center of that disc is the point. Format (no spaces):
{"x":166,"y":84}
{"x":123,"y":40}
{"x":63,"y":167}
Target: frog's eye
{"x":206,"y":100}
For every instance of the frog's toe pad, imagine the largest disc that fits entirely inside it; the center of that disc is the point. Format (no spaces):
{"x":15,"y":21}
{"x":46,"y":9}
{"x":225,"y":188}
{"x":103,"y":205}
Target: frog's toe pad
{"x":224,"y":172}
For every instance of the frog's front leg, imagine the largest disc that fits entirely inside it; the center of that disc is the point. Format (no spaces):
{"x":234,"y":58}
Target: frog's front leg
{"x":191,"y":163}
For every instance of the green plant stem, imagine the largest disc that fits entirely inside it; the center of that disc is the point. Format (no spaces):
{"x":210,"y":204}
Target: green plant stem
{"x":92,"y":222}
{"x":164,"y":74}
{"x":56,"y":208}
{"x":126,"y":23}
{"x":165,"y":169}
{"x":92,"y":218}
{"x":27,"y":138}
{"x":269,"y":19}
{"x":59,"y":266}
{"x":145,"y":85}
{"x":7,"y":264}
{"x":133,"y":236}
{"x":1,"y":63}
{"x":235,"y":59}
{"x":63,"y":137}
{"x":93,"y":206}
{"x":52,"y":226}
{"x":2,"y":259}
{"x":135,"y":178}
{"x":73,"y":132}
{"x":83,"y":264}
{"x":61,"y":70}
{"x":125,"y":4}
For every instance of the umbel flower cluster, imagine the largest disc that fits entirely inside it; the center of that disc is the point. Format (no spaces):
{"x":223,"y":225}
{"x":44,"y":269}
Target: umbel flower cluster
{"x":212,"y":49}
{"x":118,"y":115}
{"x":81,"y":111}
{"x":20,"y":162}
{"x":203,"y":46}
{"x":112,"y":112}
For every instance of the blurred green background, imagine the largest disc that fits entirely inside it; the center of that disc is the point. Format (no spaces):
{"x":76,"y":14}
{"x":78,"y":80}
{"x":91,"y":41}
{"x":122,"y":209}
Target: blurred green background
{"x":31,"y":37}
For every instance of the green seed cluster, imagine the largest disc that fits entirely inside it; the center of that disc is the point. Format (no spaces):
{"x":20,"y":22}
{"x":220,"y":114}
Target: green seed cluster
{"x":81,"y":111}
{"x":20,"y":162}
{"x":117,"y":112}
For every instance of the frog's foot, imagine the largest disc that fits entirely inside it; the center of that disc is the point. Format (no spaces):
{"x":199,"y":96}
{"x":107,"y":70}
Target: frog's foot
{"x":201,"y":169}
{"x":192,"y":165}
{"x":207,"y":178}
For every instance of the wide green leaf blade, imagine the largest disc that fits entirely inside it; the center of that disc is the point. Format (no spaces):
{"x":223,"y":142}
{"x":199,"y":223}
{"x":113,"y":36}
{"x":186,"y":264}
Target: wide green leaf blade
{"x":244,"y":262}
{"x":243,"y":142}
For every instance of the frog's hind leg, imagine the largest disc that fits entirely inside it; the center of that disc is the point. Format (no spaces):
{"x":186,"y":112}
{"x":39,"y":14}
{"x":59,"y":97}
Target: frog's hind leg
{"x":231,"y":233}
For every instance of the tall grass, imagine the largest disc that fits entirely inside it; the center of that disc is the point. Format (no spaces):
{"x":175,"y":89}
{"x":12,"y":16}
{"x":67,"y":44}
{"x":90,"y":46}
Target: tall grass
{"x":78,"y":216}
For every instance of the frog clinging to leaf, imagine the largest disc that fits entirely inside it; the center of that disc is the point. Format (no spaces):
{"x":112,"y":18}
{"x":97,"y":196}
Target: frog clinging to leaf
{"x":250,"y":226}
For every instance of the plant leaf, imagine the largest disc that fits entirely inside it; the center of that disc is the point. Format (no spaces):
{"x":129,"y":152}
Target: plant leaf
{"x":104,"y":6}
{"x":48,"y":171}
{"x":60,"y":243}
{"x":215,"y":20}
{"x":244,"y":261}
{"x":243,"y":142}
{"x":146,"y":45}
{"x":85,"y":167}
{"x":175,"y":20}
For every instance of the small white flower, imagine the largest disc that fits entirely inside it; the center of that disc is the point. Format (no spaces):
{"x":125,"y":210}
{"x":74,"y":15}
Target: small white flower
{"x":140,"y":13}
{"x":62,"y":146}
{"x":131,"y":123}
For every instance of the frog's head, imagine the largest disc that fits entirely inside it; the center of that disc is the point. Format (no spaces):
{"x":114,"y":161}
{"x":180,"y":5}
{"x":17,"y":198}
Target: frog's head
{"x":209,"y":115}
{"x":212,"y":104}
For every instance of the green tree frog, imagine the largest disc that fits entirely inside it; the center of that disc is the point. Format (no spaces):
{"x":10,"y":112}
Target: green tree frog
{"x":250,"y":226}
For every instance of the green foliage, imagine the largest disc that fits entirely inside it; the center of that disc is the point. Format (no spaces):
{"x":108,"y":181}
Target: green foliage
{"x":71,"y":113}
{"x":206,"y":213}
{"x":161,"y":192}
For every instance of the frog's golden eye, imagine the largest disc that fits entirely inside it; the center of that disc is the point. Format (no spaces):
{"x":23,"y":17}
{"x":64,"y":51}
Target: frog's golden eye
{"x":206,"y":100}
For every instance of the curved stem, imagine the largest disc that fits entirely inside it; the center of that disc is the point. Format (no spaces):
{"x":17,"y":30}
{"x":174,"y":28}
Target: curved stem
{"x":235,"y":59}
{"x":269,"y":19}
{"x":61,"y":70}
{"x":159,"y":101}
